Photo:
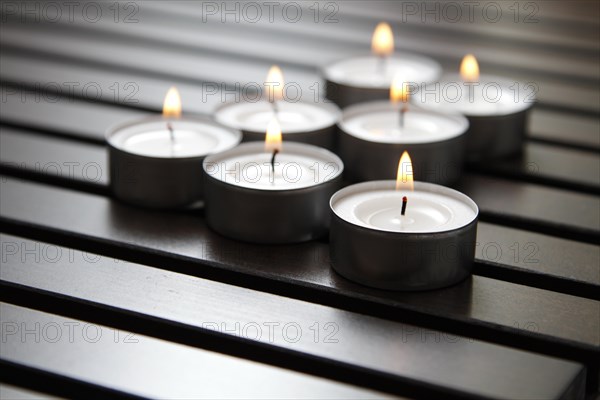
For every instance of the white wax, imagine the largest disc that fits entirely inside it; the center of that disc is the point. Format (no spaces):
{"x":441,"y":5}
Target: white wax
{"x":490,"y":96}
{"x":378,"y":121}
{"x":371,"y":72}
{"x":430,"y":208}
{"x":191,"y":138}
{"x":297,"y":166}
{"x":293,"y":117}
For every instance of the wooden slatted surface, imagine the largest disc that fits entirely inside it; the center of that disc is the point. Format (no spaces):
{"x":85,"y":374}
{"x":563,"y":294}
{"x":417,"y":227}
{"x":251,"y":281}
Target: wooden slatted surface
{"x":526,"y":325}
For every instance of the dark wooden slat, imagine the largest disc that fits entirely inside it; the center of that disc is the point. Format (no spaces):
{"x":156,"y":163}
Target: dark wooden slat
{"x":71,"y":164}
{"x":152,"y":367}
{"x":540,"y":163}
{"x":192,"y":301}
{"x":243,"y":66}
{"x":557,"y":24}
{"x":63,"y":115}
{"x":193,"y":66}
{"x":138,"y":91}
{"x":565,"y":128}
{"x":480,"y":307}
{"x":16,"y":393}
{"x":532,"y":258}
{"x":56,"y":384}
{"x":56,"y":157}
{"x":567,"y":214}
{"x":451,"y":40}
{"x":552,"y":165}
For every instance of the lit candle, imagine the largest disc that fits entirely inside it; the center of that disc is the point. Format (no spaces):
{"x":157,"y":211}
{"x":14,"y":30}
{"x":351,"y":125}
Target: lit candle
{"x":366,"y":78}
{"x":496,"y":107}
{"x":271,"y":192}
{"x":157,"y":161}
{"x":402,"y":235}
{"x":305,"y":122}
{"x":373,"y":134}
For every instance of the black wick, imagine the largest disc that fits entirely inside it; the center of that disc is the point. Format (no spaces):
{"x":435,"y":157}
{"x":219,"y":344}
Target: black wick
{"x":275,"y":108}
{"x":403,"y":111}
{"x":404,"y":202}
{"x":382,"y":64}
{"x":171,"y":133}
{"x":273,"y":160}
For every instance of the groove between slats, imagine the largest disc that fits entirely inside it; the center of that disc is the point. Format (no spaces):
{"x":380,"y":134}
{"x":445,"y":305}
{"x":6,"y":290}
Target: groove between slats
{"x":143,"y":367}
{"x":154,"y":292}
{"x":193,"y":64}
{"x":303,"y":264}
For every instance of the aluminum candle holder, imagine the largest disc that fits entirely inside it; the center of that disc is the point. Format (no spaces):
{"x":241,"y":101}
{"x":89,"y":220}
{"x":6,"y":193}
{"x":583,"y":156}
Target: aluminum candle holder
{"x":434,"y":249}
{"x":149,"y":169}
{"x":246,"y":201}
{"x":363,"y":79}
{"x":497,"y":120}
{"x":311,"y":123}
{"x":493,"y":137}
{"x":370,"y":142}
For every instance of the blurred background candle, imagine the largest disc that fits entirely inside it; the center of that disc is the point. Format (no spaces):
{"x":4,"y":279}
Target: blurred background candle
{"x":157,"y":161}
{"x":497,"y":109}
{"x":366,"y":78}
{"x":271,"y":191}
{"x":305,"y":122}
{"x":372,"y":136}
{"x":402,"y":235}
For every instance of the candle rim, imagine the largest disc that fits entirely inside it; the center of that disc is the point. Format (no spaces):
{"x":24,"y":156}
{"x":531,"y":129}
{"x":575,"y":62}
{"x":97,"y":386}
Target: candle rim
{"x":398,"y":57}
{"x":369,"y":107}
{"x":259,"y":147}
{"x":503,"y":81}
{"x":391,"y":184}
{"x":113,"y":131}
{"x":331,"y":108}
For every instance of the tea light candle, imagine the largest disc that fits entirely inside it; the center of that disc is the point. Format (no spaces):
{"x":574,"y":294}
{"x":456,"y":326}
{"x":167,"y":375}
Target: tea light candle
{"x":497,"y":109}
{"x":157,"y":161}
{"x":271,"y":192}
{"x":401,"y":235}
{"x":312,"y":123}
{"x":367,"y":78}
{"x":372,"y":136}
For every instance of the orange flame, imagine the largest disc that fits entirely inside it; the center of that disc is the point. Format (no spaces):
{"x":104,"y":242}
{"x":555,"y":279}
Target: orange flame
{"x":273,"y":137}
{"x":172,"y":104}
{"x":382,"y":43}
{"x":404,"y":179}
{"x":469,"y":68}
{"x":399,"y":90}
{"x":274,"y":83}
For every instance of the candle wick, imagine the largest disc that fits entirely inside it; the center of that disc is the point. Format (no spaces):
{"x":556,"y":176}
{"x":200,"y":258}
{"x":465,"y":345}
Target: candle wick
{"x":275,"y":151}
{"x":404,"y":202}
{"x":275,"y":108}
{"x":403,"y":111}
{"x":382,"y":64}
{"x":171,"y":132}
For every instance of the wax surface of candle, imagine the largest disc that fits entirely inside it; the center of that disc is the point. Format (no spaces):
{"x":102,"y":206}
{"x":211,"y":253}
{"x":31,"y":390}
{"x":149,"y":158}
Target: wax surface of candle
{"x":431,"y":208}
{"x":373,"y":72}
{"x":379,"y":122}
{"x":489,"y":96}
{"x":293,"y":117}
{"x":296,"y":166}
{"x":190,"y":139}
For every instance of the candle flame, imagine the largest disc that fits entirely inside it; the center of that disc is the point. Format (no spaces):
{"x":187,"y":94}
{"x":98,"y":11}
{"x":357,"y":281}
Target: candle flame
{"x":172,"y":103}
{"x":404,"y":179}
{"x":399,"y":90}
{"x":382,"y":43}
{"x":273,"y":136}
{"x":274,"y":83}
{"x":469,"y":68}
